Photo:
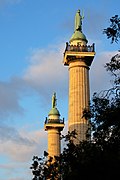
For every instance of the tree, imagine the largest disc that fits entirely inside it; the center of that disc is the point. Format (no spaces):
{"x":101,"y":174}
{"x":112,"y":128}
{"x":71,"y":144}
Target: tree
{"x":113,"y":31}
{"x":100,"y":157}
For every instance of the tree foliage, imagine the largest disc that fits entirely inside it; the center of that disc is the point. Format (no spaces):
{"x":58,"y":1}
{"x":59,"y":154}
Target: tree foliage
{"x":113,"y":31}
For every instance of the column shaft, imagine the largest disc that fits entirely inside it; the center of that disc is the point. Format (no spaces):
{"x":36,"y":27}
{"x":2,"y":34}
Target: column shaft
{"x":54,"y":142}
{"x":78,"y":97}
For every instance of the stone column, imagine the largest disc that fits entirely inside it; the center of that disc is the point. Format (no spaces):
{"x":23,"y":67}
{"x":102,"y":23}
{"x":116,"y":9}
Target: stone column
{"x":78,"y":97}
{"x":54,"y":142}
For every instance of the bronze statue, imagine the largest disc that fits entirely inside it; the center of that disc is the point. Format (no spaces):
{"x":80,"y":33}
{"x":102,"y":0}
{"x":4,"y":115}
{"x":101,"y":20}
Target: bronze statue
{"x":78,"y":21}
{"x":54,"y":100}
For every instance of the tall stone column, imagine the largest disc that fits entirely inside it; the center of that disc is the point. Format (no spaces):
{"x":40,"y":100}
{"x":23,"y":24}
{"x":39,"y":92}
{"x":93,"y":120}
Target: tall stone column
{"x":78,"y":57}
{"x":54,"y":125}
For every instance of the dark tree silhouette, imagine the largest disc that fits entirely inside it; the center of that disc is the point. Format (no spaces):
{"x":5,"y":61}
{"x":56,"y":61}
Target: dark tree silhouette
{"x":113,"y":31}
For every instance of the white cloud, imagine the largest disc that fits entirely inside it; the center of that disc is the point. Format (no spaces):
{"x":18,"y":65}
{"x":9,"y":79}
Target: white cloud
{"x":46,"y":72}
{"x":99,"y":77}
{"x":21,"y":146}
{"x":19,"y":151}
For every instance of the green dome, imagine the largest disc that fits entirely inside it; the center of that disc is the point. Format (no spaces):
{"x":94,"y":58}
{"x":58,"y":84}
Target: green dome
{"x":78,"y":35}
{"x":54,"y":111}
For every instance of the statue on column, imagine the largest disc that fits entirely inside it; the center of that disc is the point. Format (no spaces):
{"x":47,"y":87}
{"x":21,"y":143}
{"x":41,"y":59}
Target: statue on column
{"x":54,"y":100}
{"x":78,"y":21}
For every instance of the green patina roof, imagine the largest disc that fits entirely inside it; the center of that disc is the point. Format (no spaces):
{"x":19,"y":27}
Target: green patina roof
{"x":54,"y":111}
{"x":78,"y":35}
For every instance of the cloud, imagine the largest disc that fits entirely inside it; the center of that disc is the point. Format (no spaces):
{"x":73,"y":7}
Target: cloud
{"x":15,"y":171}
{"x":9,"y":99}
{"x":99,"y":77}
{"x":46,"y":73}
{"x":11,"y":93}
{"x":20,"y":153}
{"x":11,"y":134}
{"x":21,"y":146}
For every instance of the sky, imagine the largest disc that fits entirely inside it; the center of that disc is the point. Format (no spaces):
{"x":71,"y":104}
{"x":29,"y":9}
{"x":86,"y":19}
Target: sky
{"x":33,"y":34}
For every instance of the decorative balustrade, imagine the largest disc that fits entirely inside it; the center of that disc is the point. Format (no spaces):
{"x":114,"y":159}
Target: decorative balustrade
{"x":80,"y":48}
{"x":59,"y":121}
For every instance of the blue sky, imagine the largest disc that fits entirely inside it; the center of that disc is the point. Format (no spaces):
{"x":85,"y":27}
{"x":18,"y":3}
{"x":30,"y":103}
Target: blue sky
{"x":32,"y":41}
